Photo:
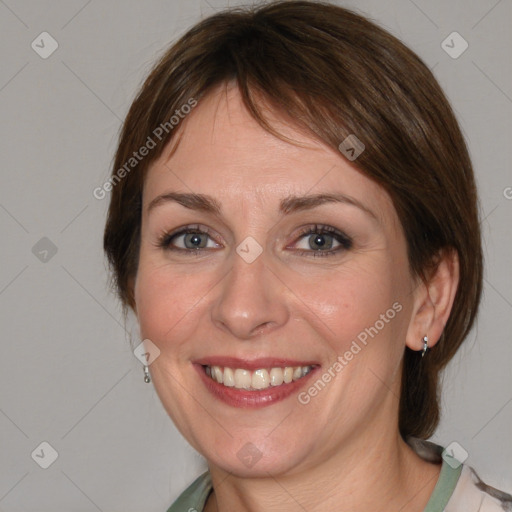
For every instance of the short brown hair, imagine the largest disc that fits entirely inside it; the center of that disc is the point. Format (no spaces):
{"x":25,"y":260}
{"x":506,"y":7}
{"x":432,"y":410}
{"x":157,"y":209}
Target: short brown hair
{"x":334,"y":73}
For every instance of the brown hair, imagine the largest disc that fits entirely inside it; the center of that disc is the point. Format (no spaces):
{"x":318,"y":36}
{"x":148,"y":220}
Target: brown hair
{"x":334,"y":73}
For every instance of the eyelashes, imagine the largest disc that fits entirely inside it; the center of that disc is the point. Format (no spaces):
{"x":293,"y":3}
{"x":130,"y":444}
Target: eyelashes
{"x":196,"y":238}
{"x":323,"y":235}
{"x":165,"y":241}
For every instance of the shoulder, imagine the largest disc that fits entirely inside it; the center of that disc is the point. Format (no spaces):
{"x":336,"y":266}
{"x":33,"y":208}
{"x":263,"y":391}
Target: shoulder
{"x":459,"y":488}
{"x":472,"y":494}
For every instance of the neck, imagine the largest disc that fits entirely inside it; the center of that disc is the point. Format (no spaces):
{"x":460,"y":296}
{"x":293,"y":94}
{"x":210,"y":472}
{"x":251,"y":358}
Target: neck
{"x":374,"y":470}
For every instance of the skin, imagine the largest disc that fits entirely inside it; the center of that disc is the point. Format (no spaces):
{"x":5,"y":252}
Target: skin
{"x":341,"y":451}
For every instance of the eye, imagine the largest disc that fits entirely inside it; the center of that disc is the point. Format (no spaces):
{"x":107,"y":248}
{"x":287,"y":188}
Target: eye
{"x":321,"y":240}
{"x":190,"y":239}
{"x":317,"y":240}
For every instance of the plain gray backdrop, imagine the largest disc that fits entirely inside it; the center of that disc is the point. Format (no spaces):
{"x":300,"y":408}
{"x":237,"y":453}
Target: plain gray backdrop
{"x":68,"y":375}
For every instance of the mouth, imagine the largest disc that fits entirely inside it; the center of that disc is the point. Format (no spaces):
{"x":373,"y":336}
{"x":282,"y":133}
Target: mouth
{"x":262,"y":378}
{"x":253,"y":384}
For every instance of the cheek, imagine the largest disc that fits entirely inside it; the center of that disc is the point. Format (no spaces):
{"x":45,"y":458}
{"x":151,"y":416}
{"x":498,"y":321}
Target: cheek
{"x":167,"y":301}
{"x":343,"y":303}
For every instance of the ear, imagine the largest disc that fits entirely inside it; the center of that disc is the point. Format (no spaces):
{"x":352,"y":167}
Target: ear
{"x":433,"y":301}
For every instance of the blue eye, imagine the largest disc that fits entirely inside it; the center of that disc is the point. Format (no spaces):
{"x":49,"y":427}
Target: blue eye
{"x":319,"y":240}
{"x":321,"y":244}
{"x":194,"y":239}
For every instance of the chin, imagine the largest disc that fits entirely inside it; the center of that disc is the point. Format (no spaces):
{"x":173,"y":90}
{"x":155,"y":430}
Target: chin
{"x":249,"y":461}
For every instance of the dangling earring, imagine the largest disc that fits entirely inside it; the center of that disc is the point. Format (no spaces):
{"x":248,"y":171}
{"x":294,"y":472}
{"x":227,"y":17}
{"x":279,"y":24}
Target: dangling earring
{"x":147,"y":378}
{"x":425,"y":345}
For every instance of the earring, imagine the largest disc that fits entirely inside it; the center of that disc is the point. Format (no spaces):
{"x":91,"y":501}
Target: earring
{"x":147,"y":378}
{"x":425,"y":345}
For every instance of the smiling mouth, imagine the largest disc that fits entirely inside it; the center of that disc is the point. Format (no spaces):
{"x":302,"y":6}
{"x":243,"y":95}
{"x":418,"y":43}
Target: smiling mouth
{"x":257,"y":380}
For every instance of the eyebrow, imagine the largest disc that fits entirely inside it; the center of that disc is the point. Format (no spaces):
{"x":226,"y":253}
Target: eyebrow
{"x":192,"y":201}
{"x":209,"y":204}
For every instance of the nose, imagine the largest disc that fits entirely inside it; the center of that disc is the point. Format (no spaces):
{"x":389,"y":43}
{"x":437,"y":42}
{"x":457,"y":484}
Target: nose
{"x":251,"y":300}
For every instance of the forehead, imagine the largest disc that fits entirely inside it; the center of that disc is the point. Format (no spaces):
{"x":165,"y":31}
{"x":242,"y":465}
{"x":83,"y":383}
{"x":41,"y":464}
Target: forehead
{"x":221,"y":150}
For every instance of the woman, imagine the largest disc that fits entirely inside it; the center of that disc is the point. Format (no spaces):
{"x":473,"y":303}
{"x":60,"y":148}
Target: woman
{"x":294,"y":222}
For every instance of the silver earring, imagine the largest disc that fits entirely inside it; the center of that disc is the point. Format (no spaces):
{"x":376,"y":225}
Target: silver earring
{"x":425,"y":345}
{"x":147,"y":378}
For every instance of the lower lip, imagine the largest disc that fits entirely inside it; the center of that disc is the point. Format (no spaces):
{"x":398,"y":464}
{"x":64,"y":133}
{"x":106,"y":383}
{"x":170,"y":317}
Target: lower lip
{"x":251,"y":399}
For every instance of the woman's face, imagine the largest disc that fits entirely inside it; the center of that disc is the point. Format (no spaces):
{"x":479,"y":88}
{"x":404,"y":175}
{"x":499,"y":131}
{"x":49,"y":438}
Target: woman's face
{"x":285,"y":277}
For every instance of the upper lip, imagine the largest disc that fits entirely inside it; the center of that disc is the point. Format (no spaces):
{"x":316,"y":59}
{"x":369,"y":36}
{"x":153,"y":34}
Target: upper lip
{"x":251,"y":364}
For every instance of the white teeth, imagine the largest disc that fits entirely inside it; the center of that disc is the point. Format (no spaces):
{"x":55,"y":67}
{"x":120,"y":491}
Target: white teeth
{"x":276,"y":377}
{"x":242,"y":379}
{"x":258,"y":379}
{"x":217,"y":372}
{"x":228,"y":377}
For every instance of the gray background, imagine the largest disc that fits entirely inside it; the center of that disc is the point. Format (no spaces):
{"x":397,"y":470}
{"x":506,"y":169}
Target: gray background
{"x":68,"y":375}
